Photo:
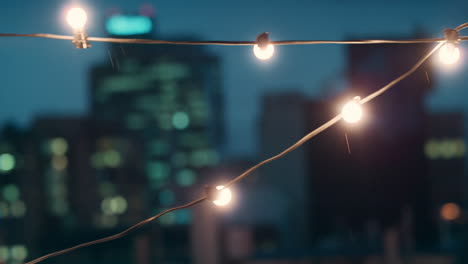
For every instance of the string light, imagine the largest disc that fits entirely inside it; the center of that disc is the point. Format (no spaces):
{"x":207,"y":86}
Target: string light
{"x":263,"y":49}
{"x":76,"y":18}
{"x":449,"y":53}
{"x":352,"y":110}
{"x":221,"y":195}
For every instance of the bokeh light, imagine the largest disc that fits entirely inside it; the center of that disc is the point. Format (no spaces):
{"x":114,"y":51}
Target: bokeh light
{"x":449,"y":53}
{"x":264,"y":53}
{"x":352,"y":111}
{"x":76,"y":18}
{"x":223,"y":196}
{"x":450,"y":212}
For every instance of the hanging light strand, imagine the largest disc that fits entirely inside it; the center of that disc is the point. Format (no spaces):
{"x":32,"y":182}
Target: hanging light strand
{"x":232,"y":43}
{"x":296,"y":145}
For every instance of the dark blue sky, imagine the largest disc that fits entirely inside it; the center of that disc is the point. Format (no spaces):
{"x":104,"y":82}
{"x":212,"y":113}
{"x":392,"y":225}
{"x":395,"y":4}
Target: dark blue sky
{"x":50,"y":77}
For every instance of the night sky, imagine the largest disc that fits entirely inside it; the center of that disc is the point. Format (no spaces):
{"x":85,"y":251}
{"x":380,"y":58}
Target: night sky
{"x":42,"y":76}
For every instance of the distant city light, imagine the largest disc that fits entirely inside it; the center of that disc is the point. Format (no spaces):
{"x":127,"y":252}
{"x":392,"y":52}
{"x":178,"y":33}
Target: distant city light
{"x":19,"y":252}
{"x":450,"y":212}
{"x":449,"y":53}
{"x":180,"y":120}
{"x":76,"y":18}
{"x":264,"y":53}
{"x":445,"y":148}
{"x":352,"y":111}
{"x":125,"y":25}
{"x":112,"y":158}
{"x":223,"y":196}
{"x":7,"y":162}
{"x":4,"y":253}
{"x":114,"y":205}
{"x":58,"y":146}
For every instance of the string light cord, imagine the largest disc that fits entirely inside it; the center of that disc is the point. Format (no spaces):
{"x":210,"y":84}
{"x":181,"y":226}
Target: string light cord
{"x":337,"y":118}
{"x":237,"y":43}
{"x":119,"y":235}
{"x":296,"y":145}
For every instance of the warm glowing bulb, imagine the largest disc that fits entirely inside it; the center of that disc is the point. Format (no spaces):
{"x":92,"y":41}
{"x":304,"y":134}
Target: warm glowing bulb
{"x":264,"y":53}
{"x":449,"y":53}
{"x":352,"y":111}
{"x":223,"y":196}
{"x":76,"y":18}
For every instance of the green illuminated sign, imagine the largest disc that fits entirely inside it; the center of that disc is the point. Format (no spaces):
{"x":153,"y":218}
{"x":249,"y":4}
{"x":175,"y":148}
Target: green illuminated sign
{"x":129,"y":25}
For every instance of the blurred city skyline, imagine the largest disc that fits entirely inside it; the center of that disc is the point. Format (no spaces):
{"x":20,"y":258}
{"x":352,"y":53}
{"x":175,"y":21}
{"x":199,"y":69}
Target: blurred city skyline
{"x":50,"y":76}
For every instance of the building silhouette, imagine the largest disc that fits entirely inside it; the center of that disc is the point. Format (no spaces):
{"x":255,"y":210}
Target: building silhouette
{"x":170,"y":99}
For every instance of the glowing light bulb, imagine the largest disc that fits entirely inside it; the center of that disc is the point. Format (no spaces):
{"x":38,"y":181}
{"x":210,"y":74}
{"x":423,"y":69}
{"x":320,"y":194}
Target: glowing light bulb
{"x":352,"y":111}
{"x":223,"y":196}
{"x":76,"y":18}
{"x":264,"y":53}
{"x":449,"y":53}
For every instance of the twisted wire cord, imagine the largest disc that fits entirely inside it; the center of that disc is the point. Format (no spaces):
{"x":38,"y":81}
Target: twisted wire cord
{"x":118,"y":235}
{"x":299,"y":143}
{"x":227,"y":43}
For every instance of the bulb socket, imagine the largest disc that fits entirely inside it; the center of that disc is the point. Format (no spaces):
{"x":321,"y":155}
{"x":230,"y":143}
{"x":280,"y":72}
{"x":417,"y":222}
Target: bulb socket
{"x":80,"y":40}
{"x":263,"y":40}
{"x":211,"y":192}
{"x":452,"y":36}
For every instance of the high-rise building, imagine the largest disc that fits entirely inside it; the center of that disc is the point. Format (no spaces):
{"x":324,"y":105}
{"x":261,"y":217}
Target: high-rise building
{"x":445,"y":149}
{"x":17,"y":230}
{"x":361,"y":178}
{"x":88,"y":182}
{"x":282,"y":123}
{"x":170,"y":98}
{"x":375,"y":171}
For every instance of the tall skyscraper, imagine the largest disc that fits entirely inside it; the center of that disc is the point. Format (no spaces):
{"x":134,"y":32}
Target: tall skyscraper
{"x":87,"y":179}
{"x":170,"y":99}
{"x":384,"y":172}
{"x":17,"y":231}
{"x":365,"y":177}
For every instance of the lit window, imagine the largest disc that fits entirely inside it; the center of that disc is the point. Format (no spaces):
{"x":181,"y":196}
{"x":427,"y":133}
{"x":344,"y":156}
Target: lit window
{"x":4,"y":253}
{"x":446,"y":148}
{"x":180,"y":120}
{"x":19,"y":252}
{"x":58,"y":146}
{"x":114,"y":205}
{"x":7,"y":162}
{"x":112,"y":158}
